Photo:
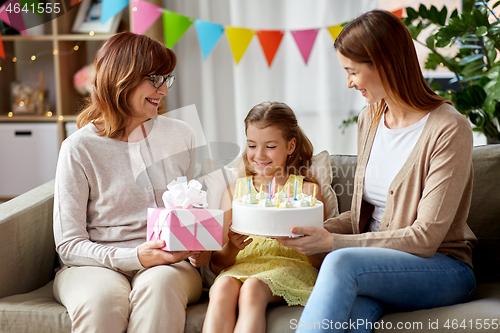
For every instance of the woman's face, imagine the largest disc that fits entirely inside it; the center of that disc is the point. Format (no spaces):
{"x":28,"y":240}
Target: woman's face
{"x":364,"y":78}
{"x":144,"y":100}
{"x":267,"y":150}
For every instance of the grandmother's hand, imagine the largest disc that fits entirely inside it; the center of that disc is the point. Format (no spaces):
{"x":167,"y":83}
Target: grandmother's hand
{"x":314,"y":241}
{"x":150,"y":254}
{"x":200,"y":258}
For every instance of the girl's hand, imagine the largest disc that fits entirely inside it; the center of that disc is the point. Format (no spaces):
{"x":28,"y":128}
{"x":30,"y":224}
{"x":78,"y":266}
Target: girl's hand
{"x":314,"y":241}
{"x":150,"y":254}
{"x":200,"y":258}
{"x":238,"y":241}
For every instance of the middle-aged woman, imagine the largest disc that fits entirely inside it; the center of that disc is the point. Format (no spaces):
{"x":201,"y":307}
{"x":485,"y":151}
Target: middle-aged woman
{"x":405,"y":243}
{"x":109,"y":173}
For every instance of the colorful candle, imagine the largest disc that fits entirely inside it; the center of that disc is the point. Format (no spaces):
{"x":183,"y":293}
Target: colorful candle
{"x":273,"y":185}
{"x":260,"y":193}
{"x":314,"y":195}
{"x":270,"y":191}
{"x":295,"y":190}
{"x":278,"y":197}
{"x":249,"y":187}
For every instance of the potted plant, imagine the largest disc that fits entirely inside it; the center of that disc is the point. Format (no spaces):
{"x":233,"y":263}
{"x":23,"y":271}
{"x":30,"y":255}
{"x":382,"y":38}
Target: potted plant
{"x":476,"y":31}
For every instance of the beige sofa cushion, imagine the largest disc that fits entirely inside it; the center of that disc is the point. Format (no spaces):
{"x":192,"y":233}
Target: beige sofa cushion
{"x":36,"y":311}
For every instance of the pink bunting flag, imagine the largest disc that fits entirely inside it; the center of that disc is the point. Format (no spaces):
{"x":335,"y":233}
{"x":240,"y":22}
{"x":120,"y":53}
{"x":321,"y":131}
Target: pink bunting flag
{"x":144,"y":14}
{"x":305,"y":41}
{"x":15,"y":20}
{"x":2,"y":50}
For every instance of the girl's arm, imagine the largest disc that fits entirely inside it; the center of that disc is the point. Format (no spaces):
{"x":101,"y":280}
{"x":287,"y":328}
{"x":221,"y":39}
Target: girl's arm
{"x":308,"y":188}
{"x":233,"y":242}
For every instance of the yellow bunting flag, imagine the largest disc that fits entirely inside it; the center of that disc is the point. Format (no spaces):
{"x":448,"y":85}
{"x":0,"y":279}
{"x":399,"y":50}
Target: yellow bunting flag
{"x":239,"y":39}
{"x":335,"y":31}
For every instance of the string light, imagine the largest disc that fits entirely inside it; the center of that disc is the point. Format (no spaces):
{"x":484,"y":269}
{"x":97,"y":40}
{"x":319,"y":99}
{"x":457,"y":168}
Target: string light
{"x":0,"y":68}
{"x":33,"y":57}
{"x":134,"y":9}
{"x":76,"y":47}
{"x":55,"y":52}
{"x":61,"y":118}
{"x":91,"y":33}
{"x":48,"y":114}
{"x":14,"y":59}
{"x":10,"y":114}
{"x":36,"y":56}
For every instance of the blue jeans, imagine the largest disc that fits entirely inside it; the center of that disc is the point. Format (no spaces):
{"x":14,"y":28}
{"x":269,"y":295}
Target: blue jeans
{"x":355,"y":286}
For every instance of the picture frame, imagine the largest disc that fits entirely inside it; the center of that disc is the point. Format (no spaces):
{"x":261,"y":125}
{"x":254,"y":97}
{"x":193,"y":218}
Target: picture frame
{"x":88,"y":19}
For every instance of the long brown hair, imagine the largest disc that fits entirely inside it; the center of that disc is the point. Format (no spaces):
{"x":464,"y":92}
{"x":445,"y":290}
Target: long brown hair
{"x":121,"y":64}
{"x":281,"y":116}
{"x":380,"y":39}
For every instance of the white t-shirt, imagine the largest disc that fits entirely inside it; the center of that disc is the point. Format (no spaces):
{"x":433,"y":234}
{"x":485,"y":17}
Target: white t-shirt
{"x":390,"y":150}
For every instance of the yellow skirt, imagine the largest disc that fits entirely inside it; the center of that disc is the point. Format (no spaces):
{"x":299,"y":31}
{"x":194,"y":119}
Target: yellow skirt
{"x":287,"y":272}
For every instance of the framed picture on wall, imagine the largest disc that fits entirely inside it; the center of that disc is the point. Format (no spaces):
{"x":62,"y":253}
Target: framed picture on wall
{"x":88,"y":19}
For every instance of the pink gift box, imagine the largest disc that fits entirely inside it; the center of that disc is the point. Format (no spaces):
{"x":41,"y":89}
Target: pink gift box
{"x":186,"y":229}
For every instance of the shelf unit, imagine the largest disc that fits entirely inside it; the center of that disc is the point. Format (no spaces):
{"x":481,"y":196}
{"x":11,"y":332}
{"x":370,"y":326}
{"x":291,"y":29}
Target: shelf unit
{"x":57,"y":58}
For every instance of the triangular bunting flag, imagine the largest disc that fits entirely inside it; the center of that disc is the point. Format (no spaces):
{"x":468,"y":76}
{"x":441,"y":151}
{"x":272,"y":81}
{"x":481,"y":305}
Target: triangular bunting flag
{"x":144,"y":14}
{"x":15,"y":20}
{"x":305,"y":41}
{"x":239,"y":39}
{"x":73,"y":3}
{"x":398,"y":13}
{"x":110,"y":8}
{"x":174,"y":26}
{"x":335,"y":31}
{"x":270,"y":41}
{"x":208,"y":35}
{"x":2,"y":50}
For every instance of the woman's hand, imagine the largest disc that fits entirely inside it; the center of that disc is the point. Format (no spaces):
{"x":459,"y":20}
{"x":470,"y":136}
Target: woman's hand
{"x":314,"y":241}
{"x":200,"y":258}
{"x":150,"y":254}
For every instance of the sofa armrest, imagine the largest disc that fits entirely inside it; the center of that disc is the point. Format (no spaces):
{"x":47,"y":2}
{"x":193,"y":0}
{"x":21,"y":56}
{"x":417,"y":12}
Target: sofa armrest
{"x":27,"y":241}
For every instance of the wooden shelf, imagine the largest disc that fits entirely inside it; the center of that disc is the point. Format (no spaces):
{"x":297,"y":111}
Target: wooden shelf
{"x":27,"y":118}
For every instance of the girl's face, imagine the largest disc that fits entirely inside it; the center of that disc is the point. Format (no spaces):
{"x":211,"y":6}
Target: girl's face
{"x":267,"y":150}
{"x":144,"y":100}
{"x":364,"y":78}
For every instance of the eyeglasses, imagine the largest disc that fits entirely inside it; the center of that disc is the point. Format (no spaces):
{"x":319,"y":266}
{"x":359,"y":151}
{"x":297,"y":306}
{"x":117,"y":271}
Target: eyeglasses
{"x":158,"y":80}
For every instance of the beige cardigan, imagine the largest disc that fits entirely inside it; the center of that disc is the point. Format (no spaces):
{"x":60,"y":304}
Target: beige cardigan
{"x":428,"y":200}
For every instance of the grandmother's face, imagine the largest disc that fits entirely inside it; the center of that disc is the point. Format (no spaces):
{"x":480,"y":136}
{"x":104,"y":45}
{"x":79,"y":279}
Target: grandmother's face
{"x":144,"y":100}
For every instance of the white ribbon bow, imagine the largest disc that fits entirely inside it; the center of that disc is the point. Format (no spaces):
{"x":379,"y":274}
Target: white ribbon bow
{"x":181,"y":194}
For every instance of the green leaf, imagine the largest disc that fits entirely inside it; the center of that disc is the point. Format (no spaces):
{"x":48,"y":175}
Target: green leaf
{"x":496,"y":4}
{"x":442,"y":16}
{"x":433,"y":15}
{"x":471,"y":58}
{"x":430,"y":41}
{"x":423,"y":12}
{"x":481,"y":31}
{"x":442,"y":38}
{"x":454,"y":14}
{"x":411,"y":13}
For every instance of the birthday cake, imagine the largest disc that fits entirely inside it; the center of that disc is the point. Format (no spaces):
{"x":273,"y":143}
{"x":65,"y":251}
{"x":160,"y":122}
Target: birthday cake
{"x":258,"y":215}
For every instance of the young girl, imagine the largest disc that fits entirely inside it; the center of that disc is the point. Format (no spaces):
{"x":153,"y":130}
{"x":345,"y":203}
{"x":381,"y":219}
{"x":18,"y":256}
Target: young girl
{"x":256,"y":271}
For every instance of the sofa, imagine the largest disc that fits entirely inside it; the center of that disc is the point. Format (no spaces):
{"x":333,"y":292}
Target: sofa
{"x":28,"y":260}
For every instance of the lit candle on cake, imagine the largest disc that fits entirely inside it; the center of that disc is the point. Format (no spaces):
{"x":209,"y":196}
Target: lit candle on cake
{"x":274,"y":185}
{"x":314,"y":195}
{"x":278,"y":197}
{"x":270,"y":197}
{"x":249,"y":188}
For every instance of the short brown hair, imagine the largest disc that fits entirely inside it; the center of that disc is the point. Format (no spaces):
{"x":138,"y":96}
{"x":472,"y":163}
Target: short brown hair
{"x":380,"y":39}
{"x":120,"y":65}
{"x":281,"y":116}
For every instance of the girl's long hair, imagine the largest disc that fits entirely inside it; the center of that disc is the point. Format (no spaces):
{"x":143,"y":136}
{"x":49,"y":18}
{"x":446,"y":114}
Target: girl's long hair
{"x":380,"y":39}
{"x":281,"y":116}
{"x":121,"y":64}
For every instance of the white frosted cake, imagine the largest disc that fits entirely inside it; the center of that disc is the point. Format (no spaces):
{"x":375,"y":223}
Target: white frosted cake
{"x":264,"y":217}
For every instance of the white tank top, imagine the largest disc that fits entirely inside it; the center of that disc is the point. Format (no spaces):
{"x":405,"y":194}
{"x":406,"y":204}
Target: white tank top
{"x":390,"y":150}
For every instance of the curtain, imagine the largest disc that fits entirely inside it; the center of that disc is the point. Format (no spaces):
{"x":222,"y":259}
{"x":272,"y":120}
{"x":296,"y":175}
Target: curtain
{"x":224,"y":92}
